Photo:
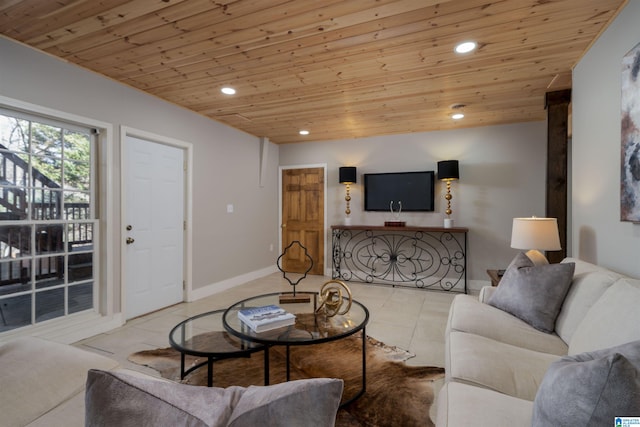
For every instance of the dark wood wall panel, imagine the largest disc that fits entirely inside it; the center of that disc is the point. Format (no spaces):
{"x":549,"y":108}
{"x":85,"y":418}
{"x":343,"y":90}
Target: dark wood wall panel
{"x":557,"y":104}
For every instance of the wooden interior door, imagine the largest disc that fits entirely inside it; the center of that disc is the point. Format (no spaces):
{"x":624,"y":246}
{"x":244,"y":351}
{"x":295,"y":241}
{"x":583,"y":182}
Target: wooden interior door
{"x":303,"y":218}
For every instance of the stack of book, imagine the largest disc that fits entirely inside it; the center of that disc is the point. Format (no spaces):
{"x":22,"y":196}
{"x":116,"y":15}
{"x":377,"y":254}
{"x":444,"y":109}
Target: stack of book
{"x":266,"y":318}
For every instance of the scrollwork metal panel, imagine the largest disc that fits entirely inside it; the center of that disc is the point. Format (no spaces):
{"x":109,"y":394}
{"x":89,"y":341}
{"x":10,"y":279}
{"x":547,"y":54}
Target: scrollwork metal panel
{"x":413,"y":258}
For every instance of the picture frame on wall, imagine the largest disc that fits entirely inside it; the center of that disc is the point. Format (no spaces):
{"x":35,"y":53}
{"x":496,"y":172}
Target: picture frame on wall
{"x":630,"y":137}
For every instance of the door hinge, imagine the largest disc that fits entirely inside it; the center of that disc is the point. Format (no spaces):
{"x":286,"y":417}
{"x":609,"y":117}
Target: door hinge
{"x":184,"y":165}
{"x":184,"y":284}
{"x":184,"y":225}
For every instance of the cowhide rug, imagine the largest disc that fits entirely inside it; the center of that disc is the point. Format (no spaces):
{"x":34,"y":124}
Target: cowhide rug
{"x":396,"y":394}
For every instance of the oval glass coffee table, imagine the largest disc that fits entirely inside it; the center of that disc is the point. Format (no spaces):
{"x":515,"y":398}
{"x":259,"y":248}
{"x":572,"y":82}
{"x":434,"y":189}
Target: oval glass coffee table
{"x":204,"y":336}
{"x":309,"y":328}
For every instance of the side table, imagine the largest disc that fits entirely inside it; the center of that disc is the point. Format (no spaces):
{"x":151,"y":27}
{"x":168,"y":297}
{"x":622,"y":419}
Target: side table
{"x":430,"y":258}
{"x":495,"y":276}
{"x":204,"y":336}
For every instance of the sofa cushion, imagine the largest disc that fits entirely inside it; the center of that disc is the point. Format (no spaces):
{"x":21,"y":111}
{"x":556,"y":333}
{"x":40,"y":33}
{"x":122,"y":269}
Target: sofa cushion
{"x":590,"y":389}
{"x":584,"y":266}
{"x":491,"y":364}
{"x":116,"y":398}
{"x":611,"y":321}
{"x":37,"y":376}
{"x":586,"y":288}
{"x":68,"y":413}
{"x":533,"y":293}
{"x":467,"y":314}
{"x":463,"y":405}
{"x":296,"y":403}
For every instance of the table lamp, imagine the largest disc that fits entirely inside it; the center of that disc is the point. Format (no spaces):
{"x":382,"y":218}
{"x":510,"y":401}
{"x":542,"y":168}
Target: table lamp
{"x":534,"y":235}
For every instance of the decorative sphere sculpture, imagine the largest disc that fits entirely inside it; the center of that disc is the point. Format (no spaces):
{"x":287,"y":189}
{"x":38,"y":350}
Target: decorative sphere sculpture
{"x":331,"y":298}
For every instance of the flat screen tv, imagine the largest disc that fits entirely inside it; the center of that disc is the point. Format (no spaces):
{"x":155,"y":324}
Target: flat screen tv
{"x":414,"y":190}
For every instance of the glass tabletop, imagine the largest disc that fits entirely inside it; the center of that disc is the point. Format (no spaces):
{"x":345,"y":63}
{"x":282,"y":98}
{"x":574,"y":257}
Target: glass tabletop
{"x":204,"y":335}
{"x":309,"y":327}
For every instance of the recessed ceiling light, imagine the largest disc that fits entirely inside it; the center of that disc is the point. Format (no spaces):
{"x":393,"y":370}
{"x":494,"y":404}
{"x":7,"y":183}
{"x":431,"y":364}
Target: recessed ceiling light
{"x":458,"y":111}
{"x":465,"y":47}
{"x":304,"y":132}
{"x":228,"y":90}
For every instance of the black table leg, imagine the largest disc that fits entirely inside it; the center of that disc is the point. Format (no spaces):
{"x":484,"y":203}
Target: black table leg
{"x":266,"y":365}
{"x":364,"y":372}
{"x":210,"y":372}
{"x":364,"y":360}
{"x":288,"y":368}
{"x":181,"y":365}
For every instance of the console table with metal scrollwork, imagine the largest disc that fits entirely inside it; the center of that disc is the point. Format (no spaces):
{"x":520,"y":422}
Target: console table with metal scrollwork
{"x":421,"y":257}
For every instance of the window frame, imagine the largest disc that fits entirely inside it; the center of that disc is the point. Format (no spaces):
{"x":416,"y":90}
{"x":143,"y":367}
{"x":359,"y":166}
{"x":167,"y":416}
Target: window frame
{"x":104,"y":315}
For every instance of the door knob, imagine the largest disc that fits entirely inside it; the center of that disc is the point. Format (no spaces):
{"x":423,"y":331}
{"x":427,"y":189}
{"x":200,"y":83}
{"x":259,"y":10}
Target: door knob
{"x":130,"y":240}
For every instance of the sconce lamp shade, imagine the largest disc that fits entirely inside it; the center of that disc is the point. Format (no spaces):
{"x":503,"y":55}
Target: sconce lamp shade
{"x":348,"y":175}
{"x":448,"y":170}
{"x":535,"y":234}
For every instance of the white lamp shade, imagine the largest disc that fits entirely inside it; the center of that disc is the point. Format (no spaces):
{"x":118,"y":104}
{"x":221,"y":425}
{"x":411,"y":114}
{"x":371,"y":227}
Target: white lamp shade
{"x":535,"y":233}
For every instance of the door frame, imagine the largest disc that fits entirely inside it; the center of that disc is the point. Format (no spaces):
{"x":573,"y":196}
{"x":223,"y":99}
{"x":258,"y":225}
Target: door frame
{"x":327,"y":268}
{"x":187,"y":260}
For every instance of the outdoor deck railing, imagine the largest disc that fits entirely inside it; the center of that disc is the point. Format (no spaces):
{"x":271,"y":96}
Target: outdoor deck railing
{"x":15,"y":242}
{"x":24,"y":192}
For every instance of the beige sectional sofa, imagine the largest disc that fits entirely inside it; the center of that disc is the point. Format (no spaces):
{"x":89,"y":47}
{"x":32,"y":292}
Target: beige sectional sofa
{"x":47,"y":384}
{"x":42,"y":383}
{"x":495,"y":362}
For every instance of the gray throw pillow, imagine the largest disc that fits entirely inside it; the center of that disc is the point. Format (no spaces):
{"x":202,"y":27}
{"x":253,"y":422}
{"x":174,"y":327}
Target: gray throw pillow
{"x":590,"y":389}
{"x":115,"y":398}
{"x":533,"y":293}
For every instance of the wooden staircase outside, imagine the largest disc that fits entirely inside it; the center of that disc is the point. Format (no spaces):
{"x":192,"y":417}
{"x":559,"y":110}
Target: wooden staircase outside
{"x":15,"y":239}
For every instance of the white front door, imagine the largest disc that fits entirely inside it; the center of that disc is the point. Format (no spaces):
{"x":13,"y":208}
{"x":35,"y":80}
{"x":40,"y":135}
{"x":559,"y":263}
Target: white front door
{"x":154,"y":226}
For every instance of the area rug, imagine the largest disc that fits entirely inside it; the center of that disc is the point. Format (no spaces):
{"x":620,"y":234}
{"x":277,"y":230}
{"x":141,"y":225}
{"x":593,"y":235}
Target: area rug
{"x":396,"y":394}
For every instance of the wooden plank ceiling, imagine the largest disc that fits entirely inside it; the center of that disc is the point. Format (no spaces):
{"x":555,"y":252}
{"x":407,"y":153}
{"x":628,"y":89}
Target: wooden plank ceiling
{"x":338,"y":68}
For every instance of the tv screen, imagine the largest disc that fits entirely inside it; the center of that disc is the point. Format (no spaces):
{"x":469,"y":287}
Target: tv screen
{"x":414,"y":190}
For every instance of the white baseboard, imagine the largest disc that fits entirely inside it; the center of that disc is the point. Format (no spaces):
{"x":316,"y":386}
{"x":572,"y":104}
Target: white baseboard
{"x":474,"y":286}
{"x":84,"y":325}
{"x":223,"y":285}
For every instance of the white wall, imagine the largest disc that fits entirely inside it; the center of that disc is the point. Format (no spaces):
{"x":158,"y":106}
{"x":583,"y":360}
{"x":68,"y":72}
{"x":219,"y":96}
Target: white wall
{"x":502,"y":176}
{"x":226,"y":161}
{"x":598,"y":234}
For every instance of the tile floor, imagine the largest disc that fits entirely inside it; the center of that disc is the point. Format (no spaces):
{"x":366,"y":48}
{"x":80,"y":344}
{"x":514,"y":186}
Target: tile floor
{"x":411,"y":319}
